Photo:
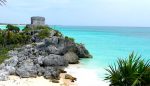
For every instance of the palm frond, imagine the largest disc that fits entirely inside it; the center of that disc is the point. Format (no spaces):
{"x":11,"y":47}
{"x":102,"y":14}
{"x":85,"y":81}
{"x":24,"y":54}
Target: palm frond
{"x":133,"y":71}
{"x":2,"y":2}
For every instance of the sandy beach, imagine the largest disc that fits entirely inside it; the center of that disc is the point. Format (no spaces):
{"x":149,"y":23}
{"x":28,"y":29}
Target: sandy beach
{"x":84,"y":78}
{"x":39,"y":81}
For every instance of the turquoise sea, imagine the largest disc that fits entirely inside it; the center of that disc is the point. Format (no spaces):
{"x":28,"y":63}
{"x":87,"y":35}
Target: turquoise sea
{"x":106,"y":44}
{"x":4,"y":26}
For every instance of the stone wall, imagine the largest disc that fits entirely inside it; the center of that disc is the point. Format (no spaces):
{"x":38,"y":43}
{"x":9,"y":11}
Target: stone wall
{"x":37,"y":20}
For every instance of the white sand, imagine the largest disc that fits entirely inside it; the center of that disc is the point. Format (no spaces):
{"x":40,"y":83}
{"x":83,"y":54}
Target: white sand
{"x":39,"y":81}
{"x":85,"y":77}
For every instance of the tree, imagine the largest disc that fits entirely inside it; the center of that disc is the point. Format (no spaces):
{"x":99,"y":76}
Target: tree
{"x":133,"y":71}
{"x":2,"y":2}
{"x":12,"y":28}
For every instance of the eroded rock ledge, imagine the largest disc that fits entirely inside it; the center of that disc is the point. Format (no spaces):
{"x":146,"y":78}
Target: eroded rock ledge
{"x":46,"y":57}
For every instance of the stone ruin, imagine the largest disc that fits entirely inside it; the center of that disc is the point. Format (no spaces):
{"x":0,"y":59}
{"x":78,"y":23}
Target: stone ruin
{"x":36,"y":20}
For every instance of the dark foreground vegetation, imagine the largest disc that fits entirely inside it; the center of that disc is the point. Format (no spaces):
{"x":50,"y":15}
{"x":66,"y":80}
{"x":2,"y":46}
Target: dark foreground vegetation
{"x":132,"y":71}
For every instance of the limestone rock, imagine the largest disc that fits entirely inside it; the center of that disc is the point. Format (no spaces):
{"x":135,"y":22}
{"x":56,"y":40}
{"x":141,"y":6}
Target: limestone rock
{"x":51,"y":73}
{"x":67,"y":76}
{"x":4,"y":75}
{"x":54,"y":60}
{"x":71,"y":57}
{"x":27,"y":69}
{"x":12,"y":61}
{"x":82,"y":52}
{"x":10,"y":69}
{"x":46,"y":57}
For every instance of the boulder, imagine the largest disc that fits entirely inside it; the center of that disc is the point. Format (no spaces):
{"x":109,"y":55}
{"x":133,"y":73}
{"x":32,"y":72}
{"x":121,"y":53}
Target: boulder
{"x":55,"y":81}
{"x":26,"y":69}
{"x":4,"y":75}
{"x":71,"y":57}
{"x":40,"y":71}
{"x":10,"y":69}
{"x":62,"y":71}
{"x":23,"y":73}
{"x":67,"y":76}
{"x":54,"y":60}
{"x":82,"y":52}
{"x":54,"y":40}
{"x":51,"y":73}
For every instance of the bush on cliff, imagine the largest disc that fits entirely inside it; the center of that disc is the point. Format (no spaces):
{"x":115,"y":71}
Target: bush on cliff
{"x":58,"y":33}
{"x":12,"y":28}
{"x":69,"y":38}
{"x":31,"y":28}
{"x":44,"y":33}
{"x":129,"y":72}
{"x":43,"y":27}
{"x":12,"y":37}
{"x":3,"y":54}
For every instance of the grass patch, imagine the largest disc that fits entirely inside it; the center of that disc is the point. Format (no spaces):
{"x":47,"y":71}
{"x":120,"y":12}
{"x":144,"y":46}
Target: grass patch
{"x":3,"y":54}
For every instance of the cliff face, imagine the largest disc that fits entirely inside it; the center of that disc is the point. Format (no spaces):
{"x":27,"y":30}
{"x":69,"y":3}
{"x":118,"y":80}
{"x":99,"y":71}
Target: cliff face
{"x":44,"y":57}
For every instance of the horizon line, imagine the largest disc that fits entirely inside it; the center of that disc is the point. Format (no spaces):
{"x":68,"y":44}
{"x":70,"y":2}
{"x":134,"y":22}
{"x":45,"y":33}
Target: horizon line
{"x":84,"y":25}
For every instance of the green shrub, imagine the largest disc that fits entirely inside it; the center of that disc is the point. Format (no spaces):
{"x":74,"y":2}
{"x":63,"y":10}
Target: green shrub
{"x":3,"y":54}
{"x":129,"y":72}
{"x":42,"y":27}
{"x":34,"y":44}
{"x":69,"y":38}
{"x":27,"y":28}
{"x":12,"y":28}
{"x":58,"y":33}
{"x":31,"y":28}
{"x":44,"y":33}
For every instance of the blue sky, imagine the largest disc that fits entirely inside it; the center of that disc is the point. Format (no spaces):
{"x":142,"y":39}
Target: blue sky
{"x":79,"y":12}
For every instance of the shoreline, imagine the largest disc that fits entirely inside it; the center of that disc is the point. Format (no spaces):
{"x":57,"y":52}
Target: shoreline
{"x":38,"y":81}
{"x":85,"y":77}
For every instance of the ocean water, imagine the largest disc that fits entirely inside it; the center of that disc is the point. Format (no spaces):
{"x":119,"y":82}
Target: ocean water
{"x":4,"y":26}
{"x":107,"y":44}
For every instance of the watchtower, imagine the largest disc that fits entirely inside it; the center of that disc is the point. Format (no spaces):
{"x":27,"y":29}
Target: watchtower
{"x":36,"y":20}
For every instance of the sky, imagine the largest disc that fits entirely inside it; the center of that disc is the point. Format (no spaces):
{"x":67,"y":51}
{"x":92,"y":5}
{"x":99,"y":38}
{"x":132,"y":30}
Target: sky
{"x":79,"y":12}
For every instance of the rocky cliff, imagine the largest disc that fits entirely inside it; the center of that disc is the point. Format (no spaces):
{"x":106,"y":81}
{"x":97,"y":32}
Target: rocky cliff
{"x":43,"y":57}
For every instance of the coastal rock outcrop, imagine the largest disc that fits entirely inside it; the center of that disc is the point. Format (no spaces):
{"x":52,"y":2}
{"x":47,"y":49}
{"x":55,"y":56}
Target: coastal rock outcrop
{"x":82,"y":52}
{"x":71,"y":57}
{"x":54,"y":60}
{"x":45,"y":57}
